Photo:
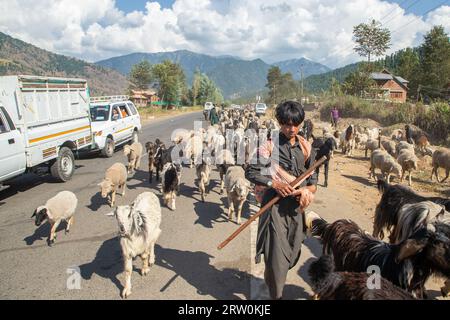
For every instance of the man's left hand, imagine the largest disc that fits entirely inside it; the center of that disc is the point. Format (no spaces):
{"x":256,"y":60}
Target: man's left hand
{"x":304,"y":197}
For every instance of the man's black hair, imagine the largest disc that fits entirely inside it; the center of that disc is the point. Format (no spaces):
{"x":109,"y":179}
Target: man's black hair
{"x":290,"y":112}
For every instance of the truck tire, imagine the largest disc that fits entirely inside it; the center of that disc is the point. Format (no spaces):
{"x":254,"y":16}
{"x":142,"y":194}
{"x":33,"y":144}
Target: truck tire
{"x":64,"y":166}
{"x":108,"y":150}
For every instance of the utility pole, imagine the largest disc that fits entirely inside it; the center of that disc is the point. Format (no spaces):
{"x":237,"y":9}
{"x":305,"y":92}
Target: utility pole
{"x":301,"y":80}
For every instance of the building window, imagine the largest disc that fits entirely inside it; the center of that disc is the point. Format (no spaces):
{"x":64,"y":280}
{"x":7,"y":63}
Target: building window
{"x":396,"y":95}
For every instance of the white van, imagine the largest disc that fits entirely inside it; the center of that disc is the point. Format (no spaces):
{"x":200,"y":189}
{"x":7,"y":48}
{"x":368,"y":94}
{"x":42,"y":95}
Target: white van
{"x":43,"y":121}
{"x":115,"y":121}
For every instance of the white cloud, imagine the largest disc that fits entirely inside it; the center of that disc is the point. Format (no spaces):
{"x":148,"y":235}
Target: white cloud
{"x":272,"y":30}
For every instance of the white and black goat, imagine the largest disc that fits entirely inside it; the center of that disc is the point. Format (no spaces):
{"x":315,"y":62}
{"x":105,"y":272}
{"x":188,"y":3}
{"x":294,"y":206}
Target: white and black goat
{"x":393,"y":198}
{"x":170,"y":184}
{"x":329,"y":284}
{"x":407,"y":264}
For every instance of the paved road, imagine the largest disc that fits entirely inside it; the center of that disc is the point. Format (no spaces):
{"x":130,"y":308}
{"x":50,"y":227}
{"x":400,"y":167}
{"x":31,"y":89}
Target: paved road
{"x":188,"y":265}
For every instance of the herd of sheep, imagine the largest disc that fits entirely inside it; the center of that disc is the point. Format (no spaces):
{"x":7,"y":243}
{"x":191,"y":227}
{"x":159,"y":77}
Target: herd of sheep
{"x":229,"y":148}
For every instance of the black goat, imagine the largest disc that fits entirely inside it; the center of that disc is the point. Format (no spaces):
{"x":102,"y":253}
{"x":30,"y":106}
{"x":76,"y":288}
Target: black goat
{"x":308,"y":128}
{"x":393,"y":199}
{"x":407,"y":264}
{"x":324,"y":147}
{"x":414,"y":134}
{"x":328,"y":284}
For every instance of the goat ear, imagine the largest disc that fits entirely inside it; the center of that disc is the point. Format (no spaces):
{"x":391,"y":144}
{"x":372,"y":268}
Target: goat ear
{"x":409,"y":248}
{"x":34,"y":213}
{"x":110,"y":214}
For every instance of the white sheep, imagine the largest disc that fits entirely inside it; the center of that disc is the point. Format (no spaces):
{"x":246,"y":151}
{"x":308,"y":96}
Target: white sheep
{"x":133,"y":153}
{"x":115,"y":178}
{"x":389,"y":146}
{"x":382,"y":160}
{"x":139,"y":229}
{"x":440,"y":159}
{"x":408,"y":160}
{"x":371,"y":145}
{"x":237,"y":190}
{"x":361,"y":140}
{"x":60,"y":207}
{"x":403,"y":145}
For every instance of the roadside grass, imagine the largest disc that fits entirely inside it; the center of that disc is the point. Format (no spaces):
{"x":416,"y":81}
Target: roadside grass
{"x":158,"y":112}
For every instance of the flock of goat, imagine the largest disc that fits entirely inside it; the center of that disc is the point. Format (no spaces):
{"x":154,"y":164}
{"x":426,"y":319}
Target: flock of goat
{"x":419,"y":227}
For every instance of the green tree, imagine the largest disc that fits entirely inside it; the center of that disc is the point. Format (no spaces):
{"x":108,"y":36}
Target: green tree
{"x":274,"y":79}
{"x":435,"y":66}
{"x":358,"y":83}
{"x":208,"y":90}
{"x":172,"y":81}
{"x":140,"y":75}
{"x":371,"y":39}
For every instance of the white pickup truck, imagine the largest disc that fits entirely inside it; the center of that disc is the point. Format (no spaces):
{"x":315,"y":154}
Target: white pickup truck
{"x":43,"y":121}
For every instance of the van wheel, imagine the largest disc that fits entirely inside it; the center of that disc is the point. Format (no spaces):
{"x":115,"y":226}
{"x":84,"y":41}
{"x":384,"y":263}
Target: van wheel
{"x":64,"y":166}
{"x":108,"y":150}
{"x":134,"y":137}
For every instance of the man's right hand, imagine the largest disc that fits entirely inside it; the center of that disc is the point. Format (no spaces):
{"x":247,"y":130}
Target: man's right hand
{"x":283,"y":189}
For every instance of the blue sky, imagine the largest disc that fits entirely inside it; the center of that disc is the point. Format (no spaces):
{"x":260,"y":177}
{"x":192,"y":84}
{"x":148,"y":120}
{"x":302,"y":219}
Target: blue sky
{"x":417,"y":7}
{"x":139,"y":5}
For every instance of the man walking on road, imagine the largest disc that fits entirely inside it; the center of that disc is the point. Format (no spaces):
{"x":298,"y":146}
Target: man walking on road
{"x":213,"y":116}
{"x":334,"y":117}
{"x":281,"y":230}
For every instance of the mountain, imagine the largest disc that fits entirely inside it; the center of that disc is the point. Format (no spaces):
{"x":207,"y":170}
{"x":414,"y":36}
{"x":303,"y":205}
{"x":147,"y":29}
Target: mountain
{"x":319,"y":82}
{"x":18,"y":57}
{"x":234,"y":76}
{"x":309,"y":67}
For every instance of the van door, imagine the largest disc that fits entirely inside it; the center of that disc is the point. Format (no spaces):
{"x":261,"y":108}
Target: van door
{"x":12,"y":148}
{"x":119,"y":123}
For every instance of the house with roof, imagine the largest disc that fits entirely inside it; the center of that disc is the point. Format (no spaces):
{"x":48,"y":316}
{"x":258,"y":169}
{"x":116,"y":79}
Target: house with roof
{"x":390,"y":87}
{"x":143,"y":98}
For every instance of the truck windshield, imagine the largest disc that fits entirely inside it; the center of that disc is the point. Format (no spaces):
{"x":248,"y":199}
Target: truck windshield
{"x":100,"y":113}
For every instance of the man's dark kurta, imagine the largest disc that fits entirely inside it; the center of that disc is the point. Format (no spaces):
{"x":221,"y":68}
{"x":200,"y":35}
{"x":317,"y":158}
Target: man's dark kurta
{"x":280,"y":230}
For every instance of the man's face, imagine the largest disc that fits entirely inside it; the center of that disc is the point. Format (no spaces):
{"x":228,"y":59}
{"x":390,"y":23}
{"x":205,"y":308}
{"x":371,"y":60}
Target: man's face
{"x":290,"y":130}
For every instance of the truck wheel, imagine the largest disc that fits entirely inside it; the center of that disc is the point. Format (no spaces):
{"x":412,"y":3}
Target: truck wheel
{"x":108,"y":150}
{"x":134,"y":137}
{"x":64,"y":166}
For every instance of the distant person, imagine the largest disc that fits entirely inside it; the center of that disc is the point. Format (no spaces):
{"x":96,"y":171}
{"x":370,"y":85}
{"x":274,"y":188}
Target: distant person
{"x":213,"y":117}
{"x":115,"y":114}
{"x":334,"y":117}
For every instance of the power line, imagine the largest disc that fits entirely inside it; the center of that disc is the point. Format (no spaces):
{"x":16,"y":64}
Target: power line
{"x":390,"y":12}
{"x":415,"y":18}
{"x":410,"y":6}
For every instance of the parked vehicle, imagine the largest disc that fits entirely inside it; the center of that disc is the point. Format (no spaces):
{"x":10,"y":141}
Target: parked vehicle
{"x":260,"y":108}
{"x":115,"y":121}
{"x":43,"y":121}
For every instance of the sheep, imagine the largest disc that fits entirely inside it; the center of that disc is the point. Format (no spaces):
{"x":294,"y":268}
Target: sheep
{"x":413,"y":134}
{"x":61,"y":207}
{"x":371,"y":145}
{"x":380,"y":159}
{"x":408,"y":160}
{"x":203,"y":171}
{"x":440,"y":159}
{"x":393,"y":198}
{"x":139,"y":229}
{"x":224,"y":160}
{"x":397,"y":135}
{"x":237,"y":190}
{"x":170,"y":184}
{"x":193,"y":150}
{"x":361,"y":140}
{"x":115,"y":178}
{"x":403,"y":145}
{"x":374,"y":133}
{"x":389,"y":146}
{"x":134,"y":154}
{"x":325,"y":147}
{"x":328,"y":284}
{"x":407,"y":264}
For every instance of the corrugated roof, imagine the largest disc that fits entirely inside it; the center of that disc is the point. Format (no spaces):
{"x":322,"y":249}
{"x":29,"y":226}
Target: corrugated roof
{"x":401,"y":79}
{"x":380,"y":76}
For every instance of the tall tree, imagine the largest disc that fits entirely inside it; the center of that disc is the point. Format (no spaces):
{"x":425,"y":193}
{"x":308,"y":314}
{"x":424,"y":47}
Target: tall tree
{"x":274,"y":79}
{"x":371,"y":39}
{"x":359,"y":82}
{"x":435,"y":66}
{"x":172,"y":81}
{"x":140,"y":75}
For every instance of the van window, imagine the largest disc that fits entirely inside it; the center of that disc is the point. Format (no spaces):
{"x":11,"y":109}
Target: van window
{"x":8,"y":119}
{"x":124,"y":111}
{"x":132,"y":108}
{"x":3,"y":128}
{"x":115,"y":113}
{"x":100,"y":113}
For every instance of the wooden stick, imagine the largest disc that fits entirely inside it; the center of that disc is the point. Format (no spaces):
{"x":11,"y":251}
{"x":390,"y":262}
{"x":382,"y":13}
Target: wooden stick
{"x":298,"y":181}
